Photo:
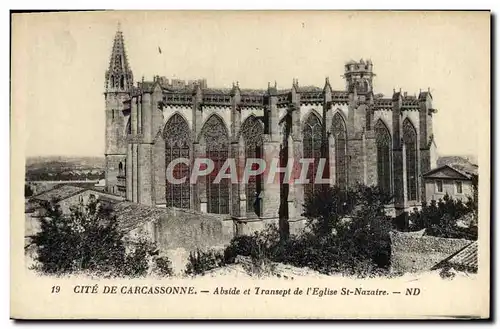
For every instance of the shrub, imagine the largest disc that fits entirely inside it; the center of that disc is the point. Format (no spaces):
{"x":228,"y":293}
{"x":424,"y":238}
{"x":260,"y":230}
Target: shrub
{"x":136,"y":262}
{"x":200,"y":262}
{"x":240,"y":245}
{"x":163,"y":266}
{"x":350,"y":232}
{"x":326,"y":207}
{"x":87,"y":240}
{"x":439,"y":218}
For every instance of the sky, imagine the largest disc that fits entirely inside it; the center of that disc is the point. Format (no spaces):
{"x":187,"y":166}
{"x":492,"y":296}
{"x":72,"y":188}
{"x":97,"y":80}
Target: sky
{"x":59,"y":61}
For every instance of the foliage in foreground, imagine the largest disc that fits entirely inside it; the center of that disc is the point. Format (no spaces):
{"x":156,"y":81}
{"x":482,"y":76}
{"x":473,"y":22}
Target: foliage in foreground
{"x":348,"y":233}
{"x":88,"y":240}
{"x":441,"y":219}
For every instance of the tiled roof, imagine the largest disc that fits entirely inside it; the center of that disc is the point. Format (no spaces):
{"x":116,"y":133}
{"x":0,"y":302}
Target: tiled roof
{"x":466,"y":173}
{"x":131,"y":215}
{"x":463,"y":260}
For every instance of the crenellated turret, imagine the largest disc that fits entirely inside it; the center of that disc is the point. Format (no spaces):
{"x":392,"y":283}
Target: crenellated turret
{"x":359,"y":77}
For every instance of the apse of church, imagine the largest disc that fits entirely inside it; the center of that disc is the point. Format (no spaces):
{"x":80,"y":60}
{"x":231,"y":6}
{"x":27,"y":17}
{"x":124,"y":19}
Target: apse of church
{"x":364,"y":138}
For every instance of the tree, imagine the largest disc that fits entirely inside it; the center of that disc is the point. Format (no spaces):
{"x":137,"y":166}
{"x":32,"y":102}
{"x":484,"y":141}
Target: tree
{"x":472,"y":202}
{"x":440,"y":218}
{"x":326,"y":207}
{"x":349,"y":231}
{"x":87,"y":240}
{"x":349,"y":234}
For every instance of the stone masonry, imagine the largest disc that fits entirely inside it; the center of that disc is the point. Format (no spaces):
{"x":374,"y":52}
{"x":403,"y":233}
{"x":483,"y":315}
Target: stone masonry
{"x":347,"y":127}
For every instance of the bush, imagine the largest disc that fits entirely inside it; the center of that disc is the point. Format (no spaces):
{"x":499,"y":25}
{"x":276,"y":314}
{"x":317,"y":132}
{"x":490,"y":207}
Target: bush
{"x":87,"y":240}
{"x":136,"y":262}
{"x":200,"y":262}
{"x":243,"y":245}
{"x":164,"y":266}
{"x":440,"y":219}
{"x":326,"y":207}
{"x":349,"y":234}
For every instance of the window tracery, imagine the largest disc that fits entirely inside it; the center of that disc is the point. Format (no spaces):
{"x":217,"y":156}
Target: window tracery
{"x":177,"y":145}
{"x":410,"y":142}
{"x":312,"y":149}
{"x":216,"y":142}
{"x":339,"y":132}
{"x":384,"y":156}
{"x":252,"y":130}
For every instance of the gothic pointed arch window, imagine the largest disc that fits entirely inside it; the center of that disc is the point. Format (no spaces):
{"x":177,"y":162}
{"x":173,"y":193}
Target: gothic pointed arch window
{"x":339,"y":133}
{"x":312,"y":149}
{"x":410,"y":142}
{"x":216,"y":142}
{"x":252,"y":131}
{"x":384,"y":157}
{"x":177,"y":145}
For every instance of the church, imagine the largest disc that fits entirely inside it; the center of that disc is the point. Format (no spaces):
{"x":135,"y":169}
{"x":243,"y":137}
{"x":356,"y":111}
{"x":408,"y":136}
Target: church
{"x":365,"y":137}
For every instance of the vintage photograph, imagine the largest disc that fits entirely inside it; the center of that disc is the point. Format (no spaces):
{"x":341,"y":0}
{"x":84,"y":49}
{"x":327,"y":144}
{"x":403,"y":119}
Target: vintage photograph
{"x":272,"y":145}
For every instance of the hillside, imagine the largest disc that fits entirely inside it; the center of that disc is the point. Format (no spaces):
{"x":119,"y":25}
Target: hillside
{"x":456,"y":159}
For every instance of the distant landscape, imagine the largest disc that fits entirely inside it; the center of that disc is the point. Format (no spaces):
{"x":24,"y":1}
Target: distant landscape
{"x":64,"y":168}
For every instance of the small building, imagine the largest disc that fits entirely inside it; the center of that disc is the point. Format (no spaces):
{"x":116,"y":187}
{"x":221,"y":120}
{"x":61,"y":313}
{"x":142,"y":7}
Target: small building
{"x":169,"y":227}
{"x":66,"y":196}
{"x":454,"y":180}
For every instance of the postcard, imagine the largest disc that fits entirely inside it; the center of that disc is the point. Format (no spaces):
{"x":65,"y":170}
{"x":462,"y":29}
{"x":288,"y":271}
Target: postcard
{"x":250,"y":165}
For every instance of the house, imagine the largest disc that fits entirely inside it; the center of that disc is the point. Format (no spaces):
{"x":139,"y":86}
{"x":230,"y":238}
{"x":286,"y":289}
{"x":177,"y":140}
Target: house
{"x":66,"y":196}
{"x":169,"y":227}
{"x":452,"y":179}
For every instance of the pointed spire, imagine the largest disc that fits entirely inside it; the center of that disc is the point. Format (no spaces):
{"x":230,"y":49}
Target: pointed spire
{"x":119,"y":75}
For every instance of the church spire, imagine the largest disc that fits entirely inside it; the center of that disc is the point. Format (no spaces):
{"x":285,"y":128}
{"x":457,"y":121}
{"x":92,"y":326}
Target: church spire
{"x":119,"y":75}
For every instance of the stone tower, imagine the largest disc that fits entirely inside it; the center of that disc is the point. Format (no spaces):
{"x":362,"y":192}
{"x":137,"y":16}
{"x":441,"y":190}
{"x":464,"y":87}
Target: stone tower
{"x":361,"y":139}
{"x":118,"y":83}
{"x":359,"y":76}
